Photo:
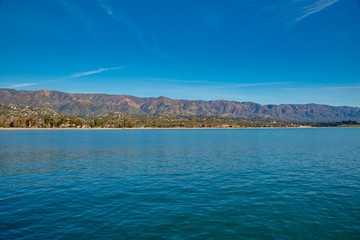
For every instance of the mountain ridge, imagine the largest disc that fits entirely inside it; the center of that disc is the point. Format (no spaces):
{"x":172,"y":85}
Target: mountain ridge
{"x":97,"y":104}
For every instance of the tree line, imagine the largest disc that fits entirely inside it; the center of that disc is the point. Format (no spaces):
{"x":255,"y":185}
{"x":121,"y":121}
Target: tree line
{"x":15,"y":117}
{"x":126,"y":121}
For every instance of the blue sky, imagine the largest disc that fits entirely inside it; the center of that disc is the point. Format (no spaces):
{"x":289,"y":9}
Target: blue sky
{"x":279,"y":51}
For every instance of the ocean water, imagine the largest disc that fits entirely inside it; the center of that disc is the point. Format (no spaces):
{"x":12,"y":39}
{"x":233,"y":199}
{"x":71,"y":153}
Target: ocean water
{"x":180,"y":184}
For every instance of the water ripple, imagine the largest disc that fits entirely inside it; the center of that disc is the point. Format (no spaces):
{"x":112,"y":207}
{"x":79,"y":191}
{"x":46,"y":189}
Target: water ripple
{"x":208,"y":184}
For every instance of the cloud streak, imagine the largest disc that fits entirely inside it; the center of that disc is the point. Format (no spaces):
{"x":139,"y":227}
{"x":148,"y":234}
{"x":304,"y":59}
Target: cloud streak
{"x":316,"y":7}
{"x":79,"y":14}
{"x":146,"y":38}
{"x":19,"y":85}
{"x":72,"y":76}
{"x":258,"y":84}
{"x":342,"y":87}
{"x":321,"y":88}
{"x":288,"y":12}
{"x":203,"y":84}
{"x":100,"y":70}
{"x":210,"y":83}
{"x":130,"y":25}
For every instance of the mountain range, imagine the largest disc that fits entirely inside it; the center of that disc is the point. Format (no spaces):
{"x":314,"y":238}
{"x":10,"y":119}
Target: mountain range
{"x":88,"y":105}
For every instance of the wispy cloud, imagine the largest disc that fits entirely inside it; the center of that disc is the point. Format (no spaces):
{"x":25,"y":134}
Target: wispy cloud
{"x":100,"y":70}
{"x":219,"y":84}
{"x":342,"y":87}
{"x":79,"y":14}
{"x":322,"y":88}
{"x":19,"y":85}
{"x":122,"y":19}
{"x":256,"y":84}
{"x":72,"y":76}
{"x":106,"y":8}
{"x":204,"y":84}
{"x":146,"y":38}
{"x":289,"y":12}
{"x":314,"y":8}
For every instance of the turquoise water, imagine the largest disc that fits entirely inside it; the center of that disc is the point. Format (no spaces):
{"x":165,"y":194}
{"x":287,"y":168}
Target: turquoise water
{"x":180,"y":184}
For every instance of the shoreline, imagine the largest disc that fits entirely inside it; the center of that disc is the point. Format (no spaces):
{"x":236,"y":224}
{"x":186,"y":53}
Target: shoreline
{"x":179,"y":128}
